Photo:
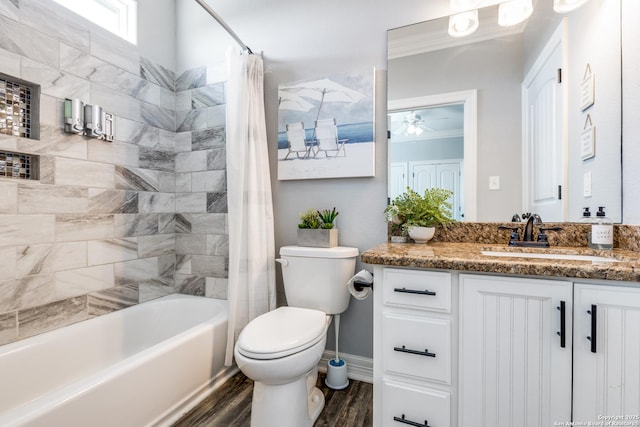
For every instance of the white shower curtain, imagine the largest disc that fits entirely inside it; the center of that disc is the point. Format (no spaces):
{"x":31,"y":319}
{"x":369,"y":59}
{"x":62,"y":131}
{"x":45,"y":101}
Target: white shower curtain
{"x":251,"y":289}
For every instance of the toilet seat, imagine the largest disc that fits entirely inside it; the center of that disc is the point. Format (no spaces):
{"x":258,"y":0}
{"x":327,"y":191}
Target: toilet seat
{"x":282,"y":332}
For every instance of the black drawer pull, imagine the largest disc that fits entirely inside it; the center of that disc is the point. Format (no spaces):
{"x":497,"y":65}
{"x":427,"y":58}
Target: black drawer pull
{"x":563,"y":325}
{"x":414,"y":291}
{"x":594,"y":327}
{"x":403,"y":349}
{"x":411,"y":423}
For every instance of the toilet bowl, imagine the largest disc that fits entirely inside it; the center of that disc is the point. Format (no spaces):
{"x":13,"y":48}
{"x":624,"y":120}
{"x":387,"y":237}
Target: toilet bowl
{"x":280,"y":351}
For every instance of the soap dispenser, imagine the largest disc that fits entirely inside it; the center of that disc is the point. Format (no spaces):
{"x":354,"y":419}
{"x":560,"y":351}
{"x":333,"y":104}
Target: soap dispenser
{"x":601,"y":231}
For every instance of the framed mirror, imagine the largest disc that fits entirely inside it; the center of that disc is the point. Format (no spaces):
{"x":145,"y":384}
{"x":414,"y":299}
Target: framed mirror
{"x":512,"y":166}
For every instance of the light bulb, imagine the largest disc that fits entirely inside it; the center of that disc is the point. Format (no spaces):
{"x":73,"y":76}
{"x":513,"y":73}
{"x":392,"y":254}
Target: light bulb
{"x":564,"y":6}
{"x":463,"y":24}
{"x":514,"y":12}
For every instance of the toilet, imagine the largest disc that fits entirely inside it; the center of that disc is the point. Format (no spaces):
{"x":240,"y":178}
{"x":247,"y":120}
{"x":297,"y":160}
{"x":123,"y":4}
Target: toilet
{"x":280,"y":350}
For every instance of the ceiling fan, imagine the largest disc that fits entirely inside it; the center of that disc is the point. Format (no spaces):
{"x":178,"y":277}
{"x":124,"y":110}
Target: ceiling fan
{"x":412,"y":124}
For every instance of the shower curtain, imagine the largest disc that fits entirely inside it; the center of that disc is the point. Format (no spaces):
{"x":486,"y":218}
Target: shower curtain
{"x":251,"y":289}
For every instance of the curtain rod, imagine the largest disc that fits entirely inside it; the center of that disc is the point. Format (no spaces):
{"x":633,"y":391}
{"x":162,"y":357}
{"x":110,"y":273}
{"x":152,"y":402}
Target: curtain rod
{"x":224,"y":25}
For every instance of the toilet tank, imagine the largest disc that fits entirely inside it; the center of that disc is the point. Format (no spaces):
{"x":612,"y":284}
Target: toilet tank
{"x":317,"y":277}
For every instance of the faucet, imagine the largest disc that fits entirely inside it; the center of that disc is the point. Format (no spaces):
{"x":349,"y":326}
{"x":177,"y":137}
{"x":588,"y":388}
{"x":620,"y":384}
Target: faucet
{"x":527,"y":236}
{"x":528,"y":229}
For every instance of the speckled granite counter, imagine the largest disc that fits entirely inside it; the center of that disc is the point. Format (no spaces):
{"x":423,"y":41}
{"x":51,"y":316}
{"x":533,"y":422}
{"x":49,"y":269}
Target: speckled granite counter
{"x":468,"y":257}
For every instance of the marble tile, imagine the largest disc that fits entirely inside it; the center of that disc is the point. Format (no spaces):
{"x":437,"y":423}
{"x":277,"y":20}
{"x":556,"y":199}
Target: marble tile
{"x":182,"y":142}
{"x":207,"y":96}
{"x":191,"y":161}
{"x":183,"y":182}
{"x":55,"y":20}
{"x":116,"y":152}
{"x":136,"y":179}
{"x":47,"y":169}
{"x":210,"y":266}
{"x":191,"y":79}
{"x":136,"y":132}
{"x":115,"y":102}
{"x":191,"y":202}
{"x":53,"y":82}
{"x":90,"y":174}
{"x":190,"y":285}
{"x":210,"y":181}
{"x":167,"y":182}
{"x":151,"y":291}
{"x":50,"y":258}
{"x":183,"y":264}
{"x":216,"y":116}
{"x":54,"y":315}
{"x":133,"y":225}
{"x":23,"y":41}
{"x":218,"y":244}
{"x":217,"y":159}
{"x":157,"y":74}
{"x":55,"y":142}
{"x":112,"y":299}
{"x":116,"y":51}
{"x":183,"y":100}
{"x":26,"y":292}
{"x":216,"y":287}
{"x":151,"y":158}
{"x":8,"y":263}
{"x":208,"y":138}
{"x":8,"y":327}
{"x":162,"y":244}
{"x":191,"y":120}
{"x":51,"y":110}
{"x":217,"y":202}
{"x":156,"y":202}
{"x":41,"y":199}
{"x":10,"y":143}
{"x":80,"y":281}
{"x":78,"y":62}
{"x":113,"y":201}
{"x":9,"y":61}
{"x":9,"y":197}
{"x":187,"y":244}
{"x":140,"y":271}
{"x":112,"y":250}
{"x":167,"y":141}
{"x":166,"y":223}
{"x":167,"y":266}
{"x":209,"y":223}
{"x":26,"y":229}
{"x":10,"y":9}
{"x":183,"y":223}
{"x":157,"y":116}
{"x":83,"y":227}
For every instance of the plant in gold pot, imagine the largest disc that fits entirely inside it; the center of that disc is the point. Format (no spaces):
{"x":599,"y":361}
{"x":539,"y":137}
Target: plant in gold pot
{"x":418,"y":215}
{"x":318,"y":228}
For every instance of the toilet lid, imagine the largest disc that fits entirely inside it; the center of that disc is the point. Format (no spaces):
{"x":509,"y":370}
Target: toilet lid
{"x":281,"y":332}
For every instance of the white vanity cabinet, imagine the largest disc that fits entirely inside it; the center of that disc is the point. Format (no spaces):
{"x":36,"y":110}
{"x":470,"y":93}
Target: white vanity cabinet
{"x":414,"y":348}
{"x":515,"y":351}
{"x":606,"y":367}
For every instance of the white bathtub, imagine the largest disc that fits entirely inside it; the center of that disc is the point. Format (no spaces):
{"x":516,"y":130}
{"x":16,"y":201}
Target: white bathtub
{"x":144,"y":365}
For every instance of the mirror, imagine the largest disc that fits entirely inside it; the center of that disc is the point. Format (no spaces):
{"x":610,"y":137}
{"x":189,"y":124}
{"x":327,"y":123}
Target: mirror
{"x":508,"y":163}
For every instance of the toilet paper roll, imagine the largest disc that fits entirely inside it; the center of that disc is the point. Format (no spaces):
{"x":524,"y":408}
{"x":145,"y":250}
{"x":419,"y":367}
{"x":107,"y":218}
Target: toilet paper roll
{"x":361,"y":276}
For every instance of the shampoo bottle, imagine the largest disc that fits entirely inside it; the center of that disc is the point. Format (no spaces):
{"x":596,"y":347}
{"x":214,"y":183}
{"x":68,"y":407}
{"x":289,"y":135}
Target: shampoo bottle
{"x":601,"y":231}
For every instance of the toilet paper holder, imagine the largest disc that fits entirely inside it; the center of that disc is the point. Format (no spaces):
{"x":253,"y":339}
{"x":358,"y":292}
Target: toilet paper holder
{"x":359,"y":286}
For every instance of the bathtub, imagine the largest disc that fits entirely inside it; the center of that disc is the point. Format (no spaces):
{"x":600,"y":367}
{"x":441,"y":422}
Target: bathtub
{"x":144,"y":365}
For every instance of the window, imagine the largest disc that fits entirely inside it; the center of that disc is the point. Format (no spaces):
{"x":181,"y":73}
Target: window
{"x":117,"y":16}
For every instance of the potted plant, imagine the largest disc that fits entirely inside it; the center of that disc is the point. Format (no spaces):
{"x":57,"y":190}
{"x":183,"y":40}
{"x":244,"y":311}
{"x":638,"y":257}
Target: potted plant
{"x":318,"y":228}
{"x":418,"y":215}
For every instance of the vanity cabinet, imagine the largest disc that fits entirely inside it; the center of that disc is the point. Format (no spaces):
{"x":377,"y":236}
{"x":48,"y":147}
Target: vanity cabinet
{"x":515,"y":351}
{"x":413,"y":346}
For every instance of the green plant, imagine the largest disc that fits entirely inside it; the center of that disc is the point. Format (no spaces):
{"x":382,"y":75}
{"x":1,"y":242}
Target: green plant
{"x":328,"y":217}
{"x":310,"y":219}
{"x":410,"y":209}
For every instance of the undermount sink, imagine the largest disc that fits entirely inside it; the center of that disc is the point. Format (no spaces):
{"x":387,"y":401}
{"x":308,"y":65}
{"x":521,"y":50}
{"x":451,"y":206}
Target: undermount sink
{"x":571,"y":257}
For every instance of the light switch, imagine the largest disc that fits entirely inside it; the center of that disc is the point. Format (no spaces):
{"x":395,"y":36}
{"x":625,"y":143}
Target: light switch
{"x":494,"y":183}
{"x":586,"y":184}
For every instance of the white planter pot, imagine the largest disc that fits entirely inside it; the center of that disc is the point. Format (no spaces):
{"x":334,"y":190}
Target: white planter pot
{"x":421,"y":234}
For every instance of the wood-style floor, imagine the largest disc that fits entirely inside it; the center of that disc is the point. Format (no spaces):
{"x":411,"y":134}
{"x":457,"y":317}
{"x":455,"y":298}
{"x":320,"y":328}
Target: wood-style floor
{"x":230,"y":406}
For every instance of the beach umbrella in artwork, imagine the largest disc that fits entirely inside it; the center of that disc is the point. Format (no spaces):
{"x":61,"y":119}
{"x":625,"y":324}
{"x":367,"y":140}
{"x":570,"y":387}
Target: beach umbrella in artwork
{"x":292,"y":101}
{"x":324,"y":90}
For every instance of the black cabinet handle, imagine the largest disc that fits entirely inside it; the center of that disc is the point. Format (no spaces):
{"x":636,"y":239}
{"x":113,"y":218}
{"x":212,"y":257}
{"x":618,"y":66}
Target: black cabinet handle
{"x":409,"y":422}
{"x":414,"y":291}
{"x":594,"y":327}
{"x":563,"y":325}
{"x":403,"y":349}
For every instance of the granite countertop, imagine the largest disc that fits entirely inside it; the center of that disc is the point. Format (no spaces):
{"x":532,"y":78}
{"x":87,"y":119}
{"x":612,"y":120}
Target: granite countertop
{"x":468,"y":257}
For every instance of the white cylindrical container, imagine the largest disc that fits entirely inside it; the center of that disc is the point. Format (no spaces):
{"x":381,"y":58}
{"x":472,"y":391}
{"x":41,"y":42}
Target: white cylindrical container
{"x":601,"y":231}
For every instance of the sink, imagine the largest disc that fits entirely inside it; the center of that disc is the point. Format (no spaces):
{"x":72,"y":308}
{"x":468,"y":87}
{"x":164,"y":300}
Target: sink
{"x":571,"y":257}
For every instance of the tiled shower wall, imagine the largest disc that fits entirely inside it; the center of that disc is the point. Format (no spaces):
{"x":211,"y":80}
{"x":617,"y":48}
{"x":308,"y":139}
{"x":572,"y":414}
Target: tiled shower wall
{"x":108,"y":225}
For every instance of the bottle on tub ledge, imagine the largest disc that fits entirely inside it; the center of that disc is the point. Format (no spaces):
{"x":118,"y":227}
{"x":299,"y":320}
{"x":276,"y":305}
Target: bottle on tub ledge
{"x":601,"y":236}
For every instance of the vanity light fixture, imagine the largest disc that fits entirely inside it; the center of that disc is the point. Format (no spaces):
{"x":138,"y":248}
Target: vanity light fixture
{"x":463,"y":24}
{"x":514,"y":12}
{"x":564,"y":6}
{"x":460,"y":5}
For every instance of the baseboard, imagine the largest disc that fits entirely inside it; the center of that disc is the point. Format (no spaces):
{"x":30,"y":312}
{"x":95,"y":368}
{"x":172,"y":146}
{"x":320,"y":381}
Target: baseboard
{"x":358,"y":368}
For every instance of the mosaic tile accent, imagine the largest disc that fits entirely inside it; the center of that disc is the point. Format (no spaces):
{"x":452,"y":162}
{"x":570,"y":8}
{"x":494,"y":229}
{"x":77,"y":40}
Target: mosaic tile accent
{"x":17,"y":165}
{"x":15,"y":108}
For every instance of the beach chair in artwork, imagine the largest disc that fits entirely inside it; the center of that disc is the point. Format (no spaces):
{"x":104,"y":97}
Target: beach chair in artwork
{"x":297,"y":141}
{"x":327,"y":139}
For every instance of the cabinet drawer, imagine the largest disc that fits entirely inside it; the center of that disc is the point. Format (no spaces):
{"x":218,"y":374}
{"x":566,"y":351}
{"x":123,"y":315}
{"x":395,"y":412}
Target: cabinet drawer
{"x":417,"y":289}
{"x":404,"y":405}
{"x":417,"y":346}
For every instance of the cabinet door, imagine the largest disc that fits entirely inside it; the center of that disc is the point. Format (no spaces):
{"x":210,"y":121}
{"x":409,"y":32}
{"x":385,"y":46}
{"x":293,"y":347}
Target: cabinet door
{"x":606,"y":367}
{"x":514,"y":370}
